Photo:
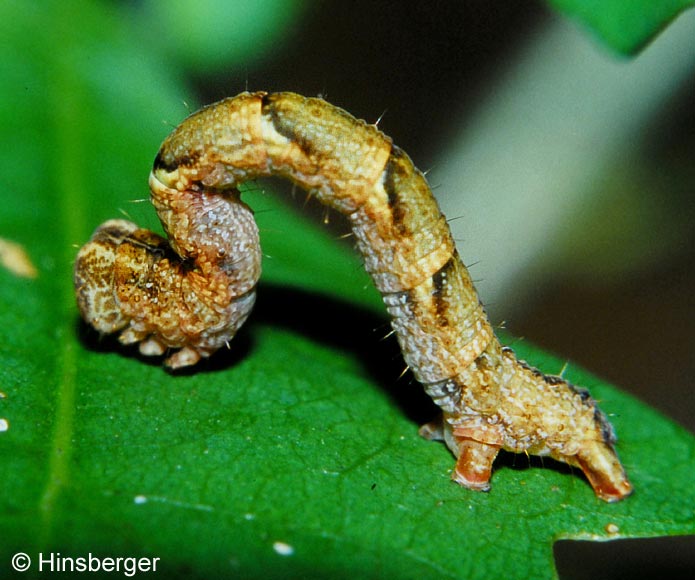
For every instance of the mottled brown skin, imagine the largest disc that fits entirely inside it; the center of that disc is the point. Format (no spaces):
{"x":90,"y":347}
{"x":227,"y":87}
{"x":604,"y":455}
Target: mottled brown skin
{"x":195,"y":290}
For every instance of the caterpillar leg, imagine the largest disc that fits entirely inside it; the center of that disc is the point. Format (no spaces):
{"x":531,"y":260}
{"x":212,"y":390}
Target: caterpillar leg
{"x":474,"y":464}
{"x":185,"y":357}
{"x":602,"y":468}
{"x":150,"y":345}
{"x":476,"y":450}
{"x":474,"y":459}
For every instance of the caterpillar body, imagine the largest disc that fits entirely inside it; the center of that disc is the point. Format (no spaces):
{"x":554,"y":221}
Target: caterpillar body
{"x":193,"y":291}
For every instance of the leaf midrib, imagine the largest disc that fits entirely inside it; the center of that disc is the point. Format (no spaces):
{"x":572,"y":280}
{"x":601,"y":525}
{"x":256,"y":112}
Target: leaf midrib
{"x":69,"y":170}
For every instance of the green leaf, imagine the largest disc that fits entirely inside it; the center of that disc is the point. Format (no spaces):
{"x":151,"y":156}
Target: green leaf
{"x":624,"y":25}
{"x":296,"y":454}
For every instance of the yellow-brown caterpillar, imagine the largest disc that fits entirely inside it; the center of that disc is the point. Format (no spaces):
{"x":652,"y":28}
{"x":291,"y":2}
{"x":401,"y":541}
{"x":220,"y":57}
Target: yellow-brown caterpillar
{"x":193,"y":291}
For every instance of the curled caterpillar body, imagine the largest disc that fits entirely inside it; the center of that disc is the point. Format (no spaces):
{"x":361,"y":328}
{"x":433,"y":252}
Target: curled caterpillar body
{"x":193,"y":291}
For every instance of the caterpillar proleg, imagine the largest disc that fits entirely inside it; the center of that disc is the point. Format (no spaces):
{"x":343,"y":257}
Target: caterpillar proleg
{"x":193,"y":291}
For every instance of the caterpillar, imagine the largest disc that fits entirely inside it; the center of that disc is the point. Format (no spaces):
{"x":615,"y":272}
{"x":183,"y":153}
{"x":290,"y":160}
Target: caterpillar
{"x":193,"y":291}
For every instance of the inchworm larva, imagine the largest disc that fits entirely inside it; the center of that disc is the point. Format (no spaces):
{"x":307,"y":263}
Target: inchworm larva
{"x":193,"y":291}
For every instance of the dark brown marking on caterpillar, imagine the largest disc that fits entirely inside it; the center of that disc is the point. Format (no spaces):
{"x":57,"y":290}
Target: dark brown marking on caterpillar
{"x":393,"y":173}
{"x":440,"y":298}
{"x":162,"y":164}
{"x":193,"y":291}
{"x":285,"y":126}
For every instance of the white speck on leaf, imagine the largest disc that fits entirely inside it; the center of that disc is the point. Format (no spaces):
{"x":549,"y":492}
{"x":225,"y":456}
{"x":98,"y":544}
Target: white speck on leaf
{"x":4,"y":425}
{"x":612,"y":528}
{"x":283,"y":549}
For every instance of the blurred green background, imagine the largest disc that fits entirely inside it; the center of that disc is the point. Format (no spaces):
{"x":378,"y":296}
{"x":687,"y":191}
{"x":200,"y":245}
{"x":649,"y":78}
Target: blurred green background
{"x":566,"y":169}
